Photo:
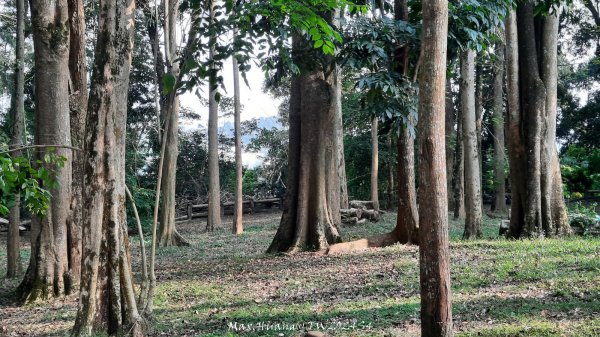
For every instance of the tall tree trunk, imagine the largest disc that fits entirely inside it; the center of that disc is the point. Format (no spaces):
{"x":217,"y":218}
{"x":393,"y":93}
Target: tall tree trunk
{"x":459,"y":170}
{"x":48,"y":272}
{"x":13,"y":241}
{"x":554,"y":211}
{"x":516,"y":146}
{"x":479,"y":115}
{"x":537,"y":201}
{"x":407,"y":222}
{"x":339,"y":130}
{"x":375,"y":162}
{"x":436,"y":308}
{"x":471,"y":149}
{"x":214,"y":188}
{"x":498,"y":120}
{"x":450,"y":149}
{"x":238,"y":226}
{"x":168,"y":235}
{"x":107,"y":298}
{"x":311,"y":216}
{"x":78,"y":106}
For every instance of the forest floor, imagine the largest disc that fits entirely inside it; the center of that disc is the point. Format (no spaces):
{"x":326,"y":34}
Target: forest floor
{"x":224,"y":285}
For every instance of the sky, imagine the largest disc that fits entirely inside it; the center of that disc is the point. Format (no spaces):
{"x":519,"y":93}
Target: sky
{"x":255,"y":104}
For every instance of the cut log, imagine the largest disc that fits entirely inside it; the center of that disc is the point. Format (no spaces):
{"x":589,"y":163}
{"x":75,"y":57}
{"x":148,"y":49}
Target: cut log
{"x":361,"y":204}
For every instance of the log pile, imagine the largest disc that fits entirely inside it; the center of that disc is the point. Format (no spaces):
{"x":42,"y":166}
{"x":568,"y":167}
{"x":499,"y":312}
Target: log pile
{"x":359,"y":212}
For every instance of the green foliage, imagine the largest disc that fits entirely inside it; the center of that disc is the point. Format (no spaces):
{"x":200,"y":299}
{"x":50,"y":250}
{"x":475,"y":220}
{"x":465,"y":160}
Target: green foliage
{"x":368,"y":58}
{"x":249,"y":182}
{"x":580,"y":169}
{"x":18,"y":176}
{"x":582,"y":218}
{"x":475,"y":24}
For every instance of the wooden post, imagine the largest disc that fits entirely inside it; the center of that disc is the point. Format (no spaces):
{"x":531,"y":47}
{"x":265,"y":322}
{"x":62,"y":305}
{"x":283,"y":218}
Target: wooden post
{"x":251,"y":205}
{"x":189,"y":211}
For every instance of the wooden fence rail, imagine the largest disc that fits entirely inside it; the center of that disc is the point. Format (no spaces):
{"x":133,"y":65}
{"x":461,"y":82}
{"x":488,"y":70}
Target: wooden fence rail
{"x":249,"y":206}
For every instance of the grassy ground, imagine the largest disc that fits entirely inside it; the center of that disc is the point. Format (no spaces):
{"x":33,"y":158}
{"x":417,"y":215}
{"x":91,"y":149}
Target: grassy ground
{"x":223,"y":283}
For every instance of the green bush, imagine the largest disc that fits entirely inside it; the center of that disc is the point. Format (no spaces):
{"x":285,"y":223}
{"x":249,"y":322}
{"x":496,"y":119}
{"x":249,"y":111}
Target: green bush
{"x":583,"y":219}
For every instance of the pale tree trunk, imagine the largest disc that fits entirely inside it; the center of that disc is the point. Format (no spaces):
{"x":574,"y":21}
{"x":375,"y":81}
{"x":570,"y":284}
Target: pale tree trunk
{"x":13,"y":241}
{"x":479,"y":123}
{"x":375,"y":162}
{"x":537,"y":201}
{"x":436,"y":307}
{"x":458,"y":179}
{"x":107,"y":299}
{"x":311,"y":216}
{"x":78,"y":107}
{"x":339,"y":133}
{"x":498,"y":120}
{"x":554,"y":211}
{"x":450,"y":150}
{"x":470,"y":144}
{"x":238,"y":226}
{"x":214,"y":188}
{"x":168,"y":235}
{"x":48,"y":272}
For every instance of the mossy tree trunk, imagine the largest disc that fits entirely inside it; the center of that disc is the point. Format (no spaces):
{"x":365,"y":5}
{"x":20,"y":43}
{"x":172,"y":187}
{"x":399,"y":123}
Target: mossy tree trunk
{"x":48,"y":274}
{"x":78,"y":107}
{"x":107,"y":300}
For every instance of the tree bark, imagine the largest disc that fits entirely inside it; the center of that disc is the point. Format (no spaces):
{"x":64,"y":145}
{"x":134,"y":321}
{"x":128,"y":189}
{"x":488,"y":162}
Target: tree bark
{"x":48,"y":273}
{"x":450,"y":149}
{"x":214,"y":188}
{"x":238,"y":226}
{"x":554,"y":211}
{"x":78,"y":107}
{"x":107,"y":299}
{"x":436,"y":308}
{"x":498,"y":121}
{"x":459,"y":171}
{"x":537,"y":202}
{"x":168,"y":235}
{"x":471,"y":148}
{"x":13,"y":240}
{"x":375,"y":162}
{"x":311,"y":216}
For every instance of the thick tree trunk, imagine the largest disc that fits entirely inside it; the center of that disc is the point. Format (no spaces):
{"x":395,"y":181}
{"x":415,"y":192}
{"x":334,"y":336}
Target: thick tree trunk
{"x":214,"y":188}
{"x":48,"y":272}
{"x":168,"y":235}
{"x":516,"y":147}
{"x":498,"y":120}
{"x":238,"y":226}
{"x":436,"y":308}
{"x":107,"y":298}
{"x":450,"y":147}
{"x":537,"y":201}
{"x":458,"y":178}
{"x":554,"y":211}
{"x":311,"y":216}
{"x":471,"y":149}
{"x":375,"y":162}
{"x":13,"y":240}
{"x":78,"y":107}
